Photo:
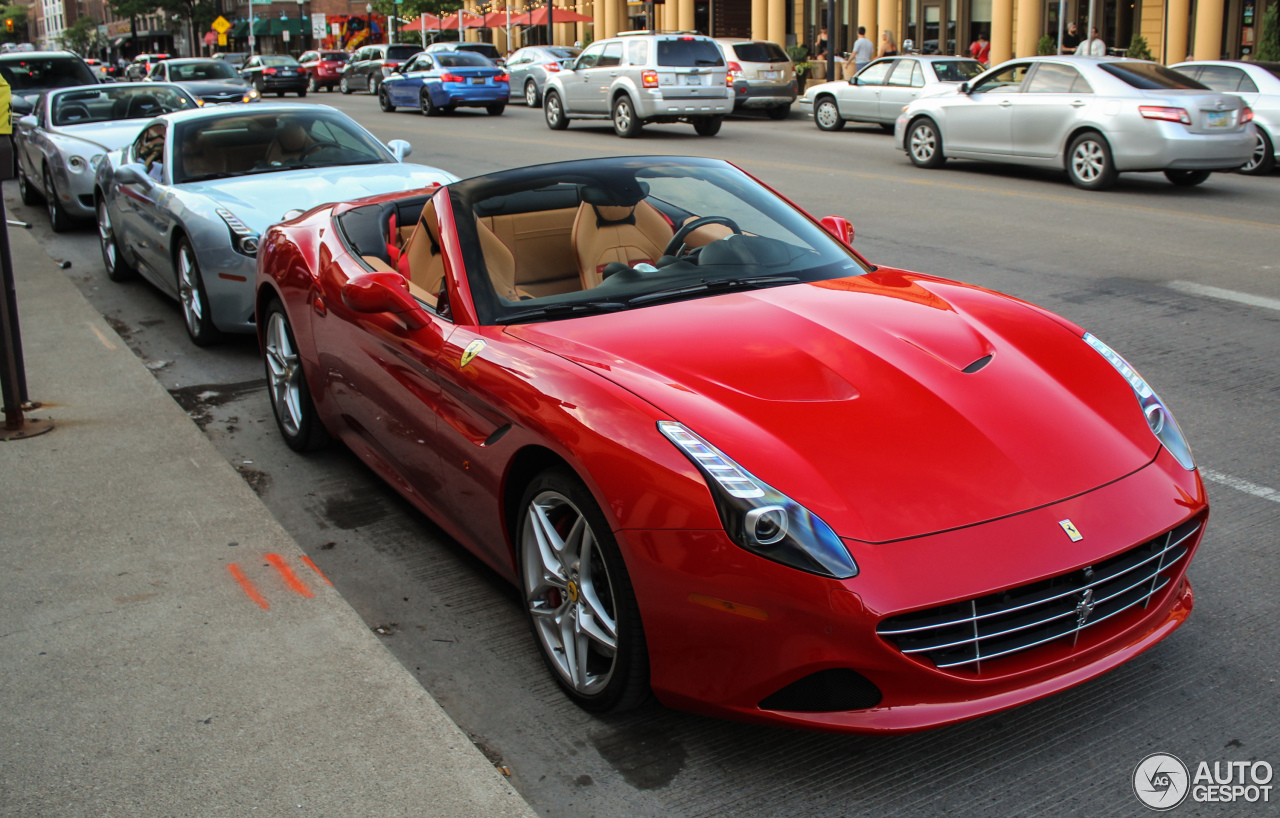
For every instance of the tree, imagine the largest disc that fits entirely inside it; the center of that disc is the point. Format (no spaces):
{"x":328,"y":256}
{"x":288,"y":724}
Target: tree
{"x":81,"y":36}
{"x":1269,"y":42}
{"x":1138,"y":49}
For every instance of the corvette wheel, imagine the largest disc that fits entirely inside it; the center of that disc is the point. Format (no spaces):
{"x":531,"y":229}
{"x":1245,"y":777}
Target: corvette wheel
{"x":579,"y":597}
{"x":827,"y":116}
{"x":29,"y":195}
{"x":195,"y":301}
{"x":291,"y":403}
{"x":553,"y":112}
{"x":924,"y":144}
{"x":531,"y":94}
{"x":344,"y":86}
{"x":59,"y":219}
{"x":1260,"y":163}
{"x":373,"y":85}
{"x":384,"y":100}
{"x":117,"y":268}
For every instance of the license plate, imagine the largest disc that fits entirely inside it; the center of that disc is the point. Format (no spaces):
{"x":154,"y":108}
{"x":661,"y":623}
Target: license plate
{"x":690,"y":79}
{"x":1217,"y":119}
{"x":477,"y":80}
{"x":770,"y":75}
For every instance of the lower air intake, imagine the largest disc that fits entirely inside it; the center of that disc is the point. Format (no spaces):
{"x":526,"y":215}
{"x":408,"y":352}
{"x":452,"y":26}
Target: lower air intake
{"x":826,"y":691}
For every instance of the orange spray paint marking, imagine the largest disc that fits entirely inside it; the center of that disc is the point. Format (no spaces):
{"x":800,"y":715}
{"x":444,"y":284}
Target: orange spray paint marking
{"x":290,"y":579}
{"x":315,"y":568}
{"x":247,"y":586}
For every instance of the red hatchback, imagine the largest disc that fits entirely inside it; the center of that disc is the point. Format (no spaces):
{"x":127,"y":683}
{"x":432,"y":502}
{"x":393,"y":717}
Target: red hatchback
{"x":728,"y":460}
{"x":324,"y":68}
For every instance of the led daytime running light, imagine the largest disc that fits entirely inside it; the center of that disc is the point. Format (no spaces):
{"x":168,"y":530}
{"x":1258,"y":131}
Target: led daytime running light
{"x":233,"y":221}
{"x":726,"y":473}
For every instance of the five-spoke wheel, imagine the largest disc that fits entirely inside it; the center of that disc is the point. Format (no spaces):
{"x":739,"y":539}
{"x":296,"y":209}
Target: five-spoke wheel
{"x":195,"y":301}
{"x":291,"y":402}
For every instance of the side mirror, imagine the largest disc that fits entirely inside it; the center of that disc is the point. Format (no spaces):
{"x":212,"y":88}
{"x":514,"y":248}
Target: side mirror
{"x":21,"y":107}
{"x":400,"y":148}
{"x":839,"y":227}
{"x":28,"y":121}
{"x":134,"y":174}
{"x":383,"y":292}
{"x":964,"y":88}
{"x":854,"y":81}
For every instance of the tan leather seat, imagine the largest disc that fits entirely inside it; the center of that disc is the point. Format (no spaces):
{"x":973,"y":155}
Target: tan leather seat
{"x":425,"y":260}
{"x":629,"y":234}
{"x":291,"y":143}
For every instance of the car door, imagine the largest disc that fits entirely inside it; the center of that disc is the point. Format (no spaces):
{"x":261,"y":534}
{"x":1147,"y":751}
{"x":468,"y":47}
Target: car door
{"x":981,"y":121}
{"x":860,"y":97}
{"x":903,"y":85}
{"x":600,"y":79}
{"x":577,"y":82}
{"x":30,"y":140}
{"x":146,"y":224}
{"x":404,"y":91}
{"x":518,"y":70}
{"x":1054,"y":99}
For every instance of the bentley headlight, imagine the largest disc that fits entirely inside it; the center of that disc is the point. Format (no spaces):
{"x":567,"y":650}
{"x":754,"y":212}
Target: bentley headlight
{"x":760,"y":518}
{"x":76,"y":164}
{"x":1159,"y":418}
{"x":242,"y":237}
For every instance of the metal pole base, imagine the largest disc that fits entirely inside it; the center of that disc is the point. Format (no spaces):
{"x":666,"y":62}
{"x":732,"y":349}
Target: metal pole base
{"x":33,"y":427}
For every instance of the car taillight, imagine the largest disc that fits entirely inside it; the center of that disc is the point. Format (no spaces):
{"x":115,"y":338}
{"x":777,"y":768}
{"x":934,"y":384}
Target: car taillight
{"x":553,"y":67}
{"x":1166,"y":114}
{"x":649,"y":78}
{"x":735,"y":71}
{"x":268,"y":70}
{"x":1246,"y":114}
{"x":502,"y":78}
{"x":452,"y":78}
{"x":390,"y":64}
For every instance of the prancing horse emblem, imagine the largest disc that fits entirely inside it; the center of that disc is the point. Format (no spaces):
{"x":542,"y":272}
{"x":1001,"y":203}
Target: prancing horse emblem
{"x":1072,"y":531}
{"x":472,"y":350}
{"x":1084,"y":607}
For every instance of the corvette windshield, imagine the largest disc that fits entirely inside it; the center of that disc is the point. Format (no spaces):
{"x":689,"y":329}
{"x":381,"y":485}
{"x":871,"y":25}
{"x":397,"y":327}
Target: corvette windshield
{"x":241,"y":144}
{"x":557,"y":241}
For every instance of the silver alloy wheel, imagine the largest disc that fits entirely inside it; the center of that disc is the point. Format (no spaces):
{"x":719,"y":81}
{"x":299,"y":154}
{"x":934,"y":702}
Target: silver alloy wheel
{"x":286,"y":375}
{"x":189,"y":290}
{"x":344,"y":86}
{"x":1088,"y":161}
{"x":50,"y":198}
{"x":827,"y":114}
{"x":924,"y":143}
{"x":622,"y":115}
{"x":530,"y":94}
{"x":106,"y":236}
{"x":569,"y":592}
{"x":551,"y":109}
{"x":1259,"y":155}
{"x":373,"y":85}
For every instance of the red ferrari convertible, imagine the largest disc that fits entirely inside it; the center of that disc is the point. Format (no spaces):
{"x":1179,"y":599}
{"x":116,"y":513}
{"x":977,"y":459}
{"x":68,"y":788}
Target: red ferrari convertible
{"x":727,"y":459}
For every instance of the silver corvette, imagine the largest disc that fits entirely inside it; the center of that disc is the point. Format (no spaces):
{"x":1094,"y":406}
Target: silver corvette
{"x":184,"y":204}
{"x":60,"y":144}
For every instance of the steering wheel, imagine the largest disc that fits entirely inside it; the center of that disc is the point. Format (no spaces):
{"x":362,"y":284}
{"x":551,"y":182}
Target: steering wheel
{"x":677,"y":246}
{"x":312,"y":148}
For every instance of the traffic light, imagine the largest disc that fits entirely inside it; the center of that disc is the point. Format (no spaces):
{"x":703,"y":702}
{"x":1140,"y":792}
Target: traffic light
{"x":8,"y":24}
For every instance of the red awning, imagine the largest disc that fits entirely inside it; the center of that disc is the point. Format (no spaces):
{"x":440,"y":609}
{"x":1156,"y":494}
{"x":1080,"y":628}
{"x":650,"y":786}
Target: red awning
{"x":501,"y":19}
{"x":432,"y":23}
{"x":450,"y":22}
{"x":538,"y":17}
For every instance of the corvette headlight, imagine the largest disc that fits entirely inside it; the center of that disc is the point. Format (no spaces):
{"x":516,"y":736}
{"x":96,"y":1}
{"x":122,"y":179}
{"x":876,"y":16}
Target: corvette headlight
{"x":76,"y":164}
{"x":760,"y":518}
{"x":242,"y":237}
{"x":1159,"y":418}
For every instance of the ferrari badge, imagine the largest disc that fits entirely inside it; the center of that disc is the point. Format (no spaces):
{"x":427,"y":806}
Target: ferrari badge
{"x":472,"y":350}
{"x":1072,"y":531}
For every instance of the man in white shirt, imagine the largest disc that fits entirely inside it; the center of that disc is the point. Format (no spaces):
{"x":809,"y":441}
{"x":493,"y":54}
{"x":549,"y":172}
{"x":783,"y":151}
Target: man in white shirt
{"x":1092,"y":47}
{"x":863,"y":50}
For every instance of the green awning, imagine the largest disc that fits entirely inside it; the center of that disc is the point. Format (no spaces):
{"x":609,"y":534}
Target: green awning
{"x":240,"y":29}
{"x":261,"y":28}
{"x":291,"y":25}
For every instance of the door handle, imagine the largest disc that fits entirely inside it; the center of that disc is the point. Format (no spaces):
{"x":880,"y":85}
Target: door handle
{"x":1077,"y":103}
{"x":1005,"y":103}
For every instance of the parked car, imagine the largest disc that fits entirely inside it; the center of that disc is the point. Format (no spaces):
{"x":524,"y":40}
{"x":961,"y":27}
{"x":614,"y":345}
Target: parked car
{"x":878,"y":92}
{"x":487,"y":50}
{"x":628,"y":386}
{"x":59,"y":146}
{"x":278,"y":73}
{"x":1258,"y":84}
{"x":140,"y":66}
{"x":443,"y":81}
{"x":186,"y":202}
{"x":1095,"y":117}
{"x":529,"y":67}
{"x":31,"y":73}
{"x":213,"y":81}
{"x":100,"y":70}
{"x":371,"y":64}
{"x":324,"y":68}
{"x":640,"y":78}
{"x":761,"y":74}
{"x":235,"y":59}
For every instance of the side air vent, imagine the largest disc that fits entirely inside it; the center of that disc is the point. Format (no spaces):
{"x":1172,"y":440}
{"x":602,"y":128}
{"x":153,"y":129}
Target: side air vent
{"x":976,"y":365}
{"x":826,"y":691}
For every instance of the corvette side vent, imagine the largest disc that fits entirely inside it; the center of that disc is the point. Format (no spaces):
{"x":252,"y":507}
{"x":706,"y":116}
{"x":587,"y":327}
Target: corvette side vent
{"x":965,"y":634}
{"x":826,"y":691}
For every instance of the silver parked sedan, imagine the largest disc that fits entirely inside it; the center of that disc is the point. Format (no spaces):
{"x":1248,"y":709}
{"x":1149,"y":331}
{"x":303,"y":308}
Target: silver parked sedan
{"x":1095,"y":117}
{"x":60,"y":144}
{"x":529,"y":67}
{"x":1258,"y":84}
{"x":184,"y":204}
{"x":879,"y":90}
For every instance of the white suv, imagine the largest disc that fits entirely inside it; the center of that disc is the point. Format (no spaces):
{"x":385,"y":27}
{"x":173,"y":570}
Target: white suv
{"x":640,"y":77}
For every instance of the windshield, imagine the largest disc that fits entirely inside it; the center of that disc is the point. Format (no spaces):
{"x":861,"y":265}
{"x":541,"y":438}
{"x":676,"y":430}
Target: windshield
{"x":617,"y":234}
{"x":402,"y":52}
{"x":104,"y":103}
{"x":1149,"y":76}
{"x":688,"y":52}
{"x":25,"y":75}
{"x":211,"y":70}
{"x":461,"y":59}
{"x":760,"y":52}
{"x":957,"y":70}
{"x":242,"y":143}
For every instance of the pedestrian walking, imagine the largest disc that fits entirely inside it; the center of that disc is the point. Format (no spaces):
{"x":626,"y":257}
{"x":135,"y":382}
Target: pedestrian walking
{"x":888,"y":45}
{"x":980,"y":49}
{"x":863,"y":50}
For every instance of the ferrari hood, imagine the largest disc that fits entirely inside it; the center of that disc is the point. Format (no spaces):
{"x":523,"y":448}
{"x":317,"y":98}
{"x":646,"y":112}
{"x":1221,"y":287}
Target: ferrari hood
{"x":261,"y":200}
{"x":109,"y":136}
{"x":889,"y":404}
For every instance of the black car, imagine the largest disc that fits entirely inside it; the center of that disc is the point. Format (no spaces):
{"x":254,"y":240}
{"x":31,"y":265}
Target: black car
{"x":371,"y":64}
{"x":31,"y":73}
{"x":275,"y":72}
{"x":214,"y":81}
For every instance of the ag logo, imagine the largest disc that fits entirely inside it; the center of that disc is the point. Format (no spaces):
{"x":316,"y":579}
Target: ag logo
{"x":1161,"y":782}
{"x":1072,"y":531}
{"x":472,"y":350}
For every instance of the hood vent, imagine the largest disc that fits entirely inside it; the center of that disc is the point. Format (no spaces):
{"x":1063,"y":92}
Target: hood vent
{"x":977,"y":365}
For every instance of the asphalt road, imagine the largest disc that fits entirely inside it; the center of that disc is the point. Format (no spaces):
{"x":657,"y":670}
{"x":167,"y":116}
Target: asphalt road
{"x":1184,"y":282}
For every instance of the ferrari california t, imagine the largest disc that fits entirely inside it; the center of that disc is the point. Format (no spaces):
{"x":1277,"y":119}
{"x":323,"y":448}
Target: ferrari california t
{"x":724,"y":457}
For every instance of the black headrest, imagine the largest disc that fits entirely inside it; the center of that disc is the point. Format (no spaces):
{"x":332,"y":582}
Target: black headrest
{"x":623,"y":193}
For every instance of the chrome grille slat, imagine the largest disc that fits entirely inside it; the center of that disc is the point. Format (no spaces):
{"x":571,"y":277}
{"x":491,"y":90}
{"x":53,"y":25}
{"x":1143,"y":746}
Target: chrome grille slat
{"x":978,"y":630}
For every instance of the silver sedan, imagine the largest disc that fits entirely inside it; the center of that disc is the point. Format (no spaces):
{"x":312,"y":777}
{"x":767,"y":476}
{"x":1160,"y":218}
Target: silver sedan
{"x":879,"y":90}
{"x":1258,"y":84}
{"x":185,"y":204}
{"x":529,"y":67}
{"x":1095,"y":117}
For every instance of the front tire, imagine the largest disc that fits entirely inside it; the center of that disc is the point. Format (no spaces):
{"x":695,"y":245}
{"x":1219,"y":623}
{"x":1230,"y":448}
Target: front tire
{"x":291,"y":402}
{"x":531,"y":97}
{"x":625,"y":122}
{"x":195,"y":301}
{"x":1187,"y":178}
{"x":344,"y":86}
{"x":827,"y":115}
{"x":496,"y":109}
{"x":578,"y":596}
{"x":384,"y":101}
{"x":1261,"y":163}
{"x":117,"y":268}
{"x":59,"y":219}
{"x":707,"y":125}
{"x":924,"y":144}
{"x":553,"y":112}
{"x":1089,"y":162}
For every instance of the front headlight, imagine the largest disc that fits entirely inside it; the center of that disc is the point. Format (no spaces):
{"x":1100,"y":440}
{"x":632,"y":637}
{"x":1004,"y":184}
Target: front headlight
{"x":251,"y":95}
{"x":77,"y":164}
{"x":1159,"y":418}
{"x":760,"y":518}
{"x":96,"y":160}
{"x":242,"y":237}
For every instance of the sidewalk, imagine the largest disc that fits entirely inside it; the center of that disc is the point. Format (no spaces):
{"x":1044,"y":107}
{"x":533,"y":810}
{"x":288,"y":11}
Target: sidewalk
{"x":138,"y":675}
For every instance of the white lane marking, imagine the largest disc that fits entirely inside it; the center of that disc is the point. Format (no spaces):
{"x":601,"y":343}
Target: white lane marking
{"x":1207,"y":291}
{"x":1265,"y":492}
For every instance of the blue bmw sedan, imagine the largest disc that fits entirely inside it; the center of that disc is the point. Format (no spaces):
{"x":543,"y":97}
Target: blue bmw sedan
{"x":444,"y":81}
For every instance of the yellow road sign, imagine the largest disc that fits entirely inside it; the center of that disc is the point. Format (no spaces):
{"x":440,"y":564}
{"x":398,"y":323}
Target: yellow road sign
{"x":222,"y":38}
{"x":220,"y":25}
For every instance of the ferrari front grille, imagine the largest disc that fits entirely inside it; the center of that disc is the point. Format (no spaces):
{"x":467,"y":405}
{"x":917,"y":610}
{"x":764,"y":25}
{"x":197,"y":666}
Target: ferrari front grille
{"x":963,"y":635}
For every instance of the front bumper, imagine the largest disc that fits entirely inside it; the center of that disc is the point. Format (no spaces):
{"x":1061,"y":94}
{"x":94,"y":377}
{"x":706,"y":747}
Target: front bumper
{"x":75,"y":191}
{"x":749,"y":95}
{"x":779,"y":625}
{"x":228,"y":277}
{"x":1169,"y":146}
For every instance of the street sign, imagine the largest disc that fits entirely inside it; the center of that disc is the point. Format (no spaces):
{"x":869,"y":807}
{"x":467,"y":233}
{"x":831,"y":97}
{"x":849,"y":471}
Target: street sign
{"x":285,"y":35}
{"x":252,"y":40}
{"x":220,"y":25}
{"x":222,"y":39}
